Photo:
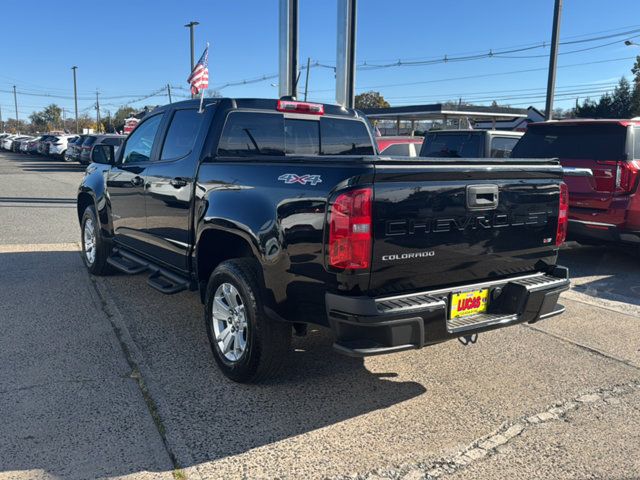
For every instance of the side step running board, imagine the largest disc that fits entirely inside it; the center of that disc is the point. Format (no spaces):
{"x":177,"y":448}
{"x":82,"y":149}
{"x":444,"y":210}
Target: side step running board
{"x":125,"y":264}
{"x":161,"y":279}
{"x":167,"y":282}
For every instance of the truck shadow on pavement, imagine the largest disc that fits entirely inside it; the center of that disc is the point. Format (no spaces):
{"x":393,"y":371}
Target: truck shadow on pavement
{"x":608,"y":272}
{"x":71,"y":405}
{"x":217,"y":418}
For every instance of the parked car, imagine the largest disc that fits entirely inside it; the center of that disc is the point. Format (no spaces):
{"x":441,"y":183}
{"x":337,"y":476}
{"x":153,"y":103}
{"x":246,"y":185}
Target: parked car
{"x":98,"y":139}
{"x":469,"y":143}
{"x":84,"y":156}
{"x":112,"y":139}
{"x":601,"y":161}
{"x":8,"y":141}
{"x":42,"y":144}
{"x":32,"y":145}
{"x":73,"y":148}
{"x":281,"y":215}
{"x":58,"y":145}
{"x":15,"y":146}
{"x":399,"y":146}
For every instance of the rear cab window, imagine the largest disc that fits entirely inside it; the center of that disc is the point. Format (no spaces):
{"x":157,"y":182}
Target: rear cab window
{"x":248,"y":134}
{"x":453,"y":145}
{"x":576,"y":142}
{"x":501,"y":147}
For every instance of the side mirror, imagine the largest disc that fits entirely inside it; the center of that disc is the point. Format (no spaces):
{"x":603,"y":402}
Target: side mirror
{"x":104,"y":154}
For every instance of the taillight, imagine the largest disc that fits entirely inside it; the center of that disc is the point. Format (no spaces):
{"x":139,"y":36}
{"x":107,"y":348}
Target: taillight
{"x":300,"y":107}
{"x":627,"y":174}
{"x":350,"y":230}
{"x":563,"y":214}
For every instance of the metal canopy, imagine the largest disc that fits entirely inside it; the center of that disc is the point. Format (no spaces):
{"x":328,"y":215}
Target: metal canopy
{"x":439,"y":111}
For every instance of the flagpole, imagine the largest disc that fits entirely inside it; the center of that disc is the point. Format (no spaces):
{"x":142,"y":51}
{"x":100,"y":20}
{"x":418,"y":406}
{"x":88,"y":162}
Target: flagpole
{"x":202,"y":91}
{"x":201,"y":99}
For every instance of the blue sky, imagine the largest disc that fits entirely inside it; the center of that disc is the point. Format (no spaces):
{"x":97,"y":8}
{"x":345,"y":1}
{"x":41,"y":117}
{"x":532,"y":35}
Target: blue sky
{"x":131,"y":49}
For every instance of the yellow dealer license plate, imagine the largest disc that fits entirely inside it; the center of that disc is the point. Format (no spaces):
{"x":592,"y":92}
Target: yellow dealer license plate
{"x":469,"y":303}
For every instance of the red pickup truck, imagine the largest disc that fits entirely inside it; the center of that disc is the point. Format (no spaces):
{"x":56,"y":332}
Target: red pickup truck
{"x":601,"y":163}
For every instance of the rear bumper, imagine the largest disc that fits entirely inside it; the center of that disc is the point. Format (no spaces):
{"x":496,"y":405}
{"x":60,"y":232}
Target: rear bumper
{"x":371,"y":326}
{"x":601,"y":232}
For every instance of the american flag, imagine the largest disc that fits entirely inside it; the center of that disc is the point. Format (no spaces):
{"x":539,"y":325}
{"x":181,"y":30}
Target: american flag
{"x":199,"y":78}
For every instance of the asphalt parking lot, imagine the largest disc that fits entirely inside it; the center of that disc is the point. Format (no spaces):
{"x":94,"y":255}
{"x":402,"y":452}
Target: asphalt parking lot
{"x":105,"y":377}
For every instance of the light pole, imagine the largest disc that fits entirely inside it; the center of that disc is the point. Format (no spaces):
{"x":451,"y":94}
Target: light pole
{"x":15,"y":101}
{"x":553,"y":59}
{"x":191,"y":26}
{"x":97,"y":113}
{"x":75,"y":95}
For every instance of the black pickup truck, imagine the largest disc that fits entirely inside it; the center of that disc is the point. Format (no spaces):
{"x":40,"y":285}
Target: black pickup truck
{"x":280,"y":213}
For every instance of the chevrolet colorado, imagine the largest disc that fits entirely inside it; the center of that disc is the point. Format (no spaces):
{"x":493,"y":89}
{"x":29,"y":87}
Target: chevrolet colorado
{"x":280,"y":213}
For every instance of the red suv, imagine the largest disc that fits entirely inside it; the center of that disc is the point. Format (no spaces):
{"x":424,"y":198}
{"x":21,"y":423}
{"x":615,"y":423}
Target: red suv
{"x":601,"y":161}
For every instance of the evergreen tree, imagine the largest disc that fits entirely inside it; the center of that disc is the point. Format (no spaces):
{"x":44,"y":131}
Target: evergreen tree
{"x":635,"y":96}
{"x":621,"y":100}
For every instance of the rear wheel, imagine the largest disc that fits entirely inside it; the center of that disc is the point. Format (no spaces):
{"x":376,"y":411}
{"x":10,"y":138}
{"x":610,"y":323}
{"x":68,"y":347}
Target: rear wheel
{"x":95,"y":249}
{"x":247,"y":346}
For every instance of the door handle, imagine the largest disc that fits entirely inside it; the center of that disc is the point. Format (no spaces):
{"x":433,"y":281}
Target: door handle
{"x":178,"y":182}
{"x":137,"y":181}
{"x":482,"y":197}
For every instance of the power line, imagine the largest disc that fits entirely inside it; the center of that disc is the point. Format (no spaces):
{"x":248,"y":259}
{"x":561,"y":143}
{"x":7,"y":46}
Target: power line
{"x":502,"y":93}
{"x":467,"y":77}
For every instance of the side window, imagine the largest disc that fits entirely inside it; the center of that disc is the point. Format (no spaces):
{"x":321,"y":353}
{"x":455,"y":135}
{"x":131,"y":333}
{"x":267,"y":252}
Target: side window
{"x":181,"y":135}
{"x":140,"y":142}
{"x":252,"y":134}
{"x":501,"y":147}
{"x":345,"y":137}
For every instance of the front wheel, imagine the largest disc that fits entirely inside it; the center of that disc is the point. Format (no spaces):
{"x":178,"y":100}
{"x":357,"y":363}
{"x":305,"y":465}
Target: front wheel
{"x":247,"y":345}
{"x":95,"y":249}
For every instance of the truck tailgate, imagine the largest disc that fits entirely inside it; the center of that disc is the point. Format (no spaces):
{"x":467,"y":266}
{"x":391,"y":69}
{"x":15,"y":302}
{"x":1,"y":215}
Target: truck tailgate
{"x":440,"y":223}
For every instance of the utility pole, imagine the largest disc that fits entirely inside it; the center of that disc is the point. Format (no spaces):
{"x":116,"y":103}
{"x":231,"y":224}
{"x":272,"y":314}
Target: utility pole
{"x":75,"y":95}
{"x":169,"y":92}
{"x":346,"y":53}
{"x":191,"y":26}
{"x":97,"y":113}
{"x":288,"y":48}
{"x":15,"y":101}
{"x":1,"y":124}
{"x":64,"y":119}
{"x":553,"y":59}
{"x":306,"y":82}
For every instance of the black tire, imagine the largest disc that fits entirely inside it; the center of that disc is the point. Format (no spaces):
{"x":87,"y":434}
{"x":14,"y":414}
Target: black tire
{"x":101,"y":248}
{"x":267,"y":341}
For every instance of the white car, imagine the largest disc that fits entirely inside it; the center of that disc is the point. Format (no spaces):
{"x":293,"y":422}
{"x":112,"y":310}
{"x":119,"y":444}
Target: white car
{"x":24,"y":146}
{"x":58,"y":145}
{"x":8,"y":141}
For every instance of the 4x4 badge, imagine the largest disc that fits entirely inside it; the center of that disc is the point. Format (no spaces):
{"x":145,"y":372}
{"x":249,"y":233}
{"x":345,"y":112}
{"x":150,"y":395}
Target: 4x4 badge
{"x":290,"y":178}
